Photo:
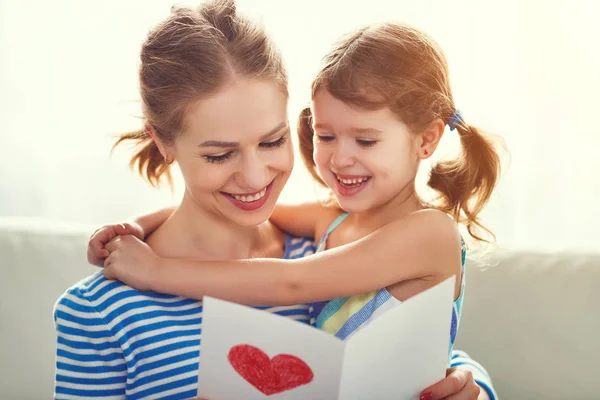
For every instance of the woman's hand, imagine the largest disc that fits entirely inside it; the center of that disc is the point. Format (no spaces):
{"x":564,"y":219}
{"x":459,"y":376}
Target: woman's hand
{"x":457,"y":385}
{"x":132,"y":262}
{"x":97,"y":252}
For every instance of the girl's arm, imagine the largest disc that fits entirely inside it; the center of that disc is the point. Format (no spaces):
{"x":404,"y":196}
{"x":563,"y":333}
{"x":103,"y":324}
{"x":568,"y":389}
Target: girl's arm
{"x":424,"y":245}
{"x":140,"y":227}
{"x":150,"y":222}
{"x":301,"y":219}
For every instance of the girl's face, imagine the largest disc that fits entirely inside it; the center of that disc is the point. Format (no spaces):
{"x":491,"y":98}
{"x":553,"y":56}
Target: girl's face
{"x":367,"y":157}
{"x":235,"y":153}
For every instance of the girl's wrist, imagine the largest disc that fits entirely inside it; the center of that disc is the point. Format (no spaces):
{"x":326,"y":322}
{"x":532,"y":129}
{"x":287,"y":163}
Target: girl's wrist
{"x":156,"y":274}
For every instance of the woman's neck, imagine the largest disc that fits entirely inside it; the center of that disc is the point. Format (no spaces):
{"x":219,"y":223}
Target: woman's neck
{"x":195,"y":233}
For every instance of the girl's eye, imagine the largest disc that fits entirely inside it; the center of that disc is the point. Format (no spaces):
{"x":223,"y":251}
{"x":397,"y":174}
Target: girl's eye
{"x":325,"y":138}
{"x":277,"y":143}
{"x":366,"y":142}
{"x":218,"y":158}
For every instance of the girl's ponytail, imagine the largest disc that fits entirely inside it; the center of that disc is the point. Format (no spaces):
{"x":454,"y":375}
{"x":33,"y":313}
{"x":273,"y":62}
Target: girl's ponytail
{"x":305,"y":140}
{"x":466,"y":183}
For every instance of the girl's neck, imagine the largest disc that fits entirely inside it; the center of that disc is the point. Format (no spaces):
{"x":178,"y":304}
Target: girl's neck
{"x":403,"y":203}
{"x":195,"y":233}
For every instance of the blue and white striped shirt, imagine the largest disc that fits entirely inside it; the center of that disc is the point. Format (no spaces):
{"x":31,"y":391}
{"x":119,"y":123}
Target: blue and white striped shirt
{"x":115,"y":342}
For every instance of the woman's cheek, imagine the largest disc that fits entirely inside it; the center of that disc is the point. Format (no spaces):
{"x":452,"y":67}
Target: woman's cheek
{"x":206,"y":178}
{"x":281,"y":159}
{"x":288,"y":157}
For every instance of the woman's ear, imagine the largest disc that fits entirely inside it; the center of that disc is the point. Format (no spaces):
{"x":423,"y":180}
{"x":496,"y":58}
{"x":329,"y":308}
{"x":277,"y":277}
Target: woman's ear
{"x":161,"y":147}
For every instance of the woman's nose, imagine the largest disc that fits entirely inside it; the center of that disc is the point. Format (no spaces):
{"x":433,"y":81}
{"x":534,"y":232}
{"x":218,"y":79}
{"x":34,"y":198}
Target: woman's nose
{"x":254,"y":173}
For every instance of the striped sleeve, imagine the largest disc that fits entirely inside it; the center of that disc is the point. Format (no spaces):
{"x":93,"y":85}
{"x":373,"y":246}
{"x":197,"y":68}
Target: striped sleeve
{"x":482,"y":378}
{"x":89,"y":361}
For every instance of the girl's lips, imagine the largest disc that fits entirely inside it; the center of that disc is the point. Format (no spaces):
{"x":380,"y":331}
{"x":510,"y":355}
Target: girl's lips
{"x":349,"y":189}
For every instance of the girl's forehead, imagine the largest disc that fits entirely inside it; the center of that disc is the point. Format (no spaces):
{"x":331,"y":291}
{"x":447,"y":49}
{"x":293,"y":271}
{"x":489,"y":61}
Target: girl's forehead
{"x":328,"y":110}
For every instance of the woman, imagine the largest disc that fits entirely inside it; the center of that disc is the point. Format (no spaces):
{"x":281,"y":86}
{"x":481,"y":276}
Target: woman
{"x":213,"y":89}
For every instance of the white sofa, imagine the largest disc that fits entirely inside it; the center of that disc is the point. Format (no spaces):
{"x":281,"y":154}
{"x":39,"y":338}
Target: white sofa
{"x":532,"y":319}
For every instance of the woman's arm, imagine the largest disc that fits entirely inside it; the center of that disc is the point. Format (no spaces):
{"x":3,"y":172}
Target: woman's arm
{"x":460,"y":359}
{"x":89,"y":361}
{"x":465,"y":379}
{"x":422,"y":245}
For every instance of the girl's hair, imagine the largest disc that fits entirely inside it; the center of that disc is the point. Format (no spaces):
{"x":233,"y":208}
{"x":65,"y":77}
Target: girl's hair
{"x":401,"y":68}
{"x":188,"y":57}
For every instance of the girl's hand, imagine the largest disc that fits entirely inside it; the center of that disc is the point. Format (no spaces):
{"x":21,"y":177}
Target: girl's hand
{"x":457,"y":385}
{"x":96,"y":251}
{"x":132,"y":262}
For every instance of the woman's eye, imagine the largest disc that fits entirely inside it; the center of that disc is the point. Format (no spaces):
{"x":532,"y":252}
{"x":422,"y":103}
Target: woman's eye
{"x":325,"y":138}
{"x":218,"y":158}
{"x":366,"y":142}
{"x":277,"y":143}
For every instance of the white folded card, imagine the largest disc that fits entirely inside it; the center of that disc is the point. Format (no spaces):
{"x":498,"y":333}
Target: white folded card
{"x":251,"y":354}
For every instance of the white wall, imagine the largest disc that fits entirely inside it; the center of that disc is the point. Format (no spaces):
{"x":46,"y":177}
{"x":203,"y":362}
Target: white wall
{"x":525,"y":70}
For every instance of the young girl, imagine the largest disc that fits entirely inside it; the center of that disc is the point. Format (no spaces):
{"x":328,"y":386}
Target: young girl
{"x":380,"y":105}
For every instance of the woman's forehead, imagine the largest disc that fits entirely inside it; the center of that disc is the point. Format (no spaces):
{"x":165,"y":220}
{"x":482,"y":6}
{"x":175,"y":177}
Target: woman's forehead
{"x":238,"y":112}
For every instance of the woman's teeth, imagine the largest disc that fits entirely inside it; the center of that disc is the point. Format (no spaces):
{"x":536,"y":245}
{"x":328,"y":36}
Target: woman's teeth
{"x":250,"y":198}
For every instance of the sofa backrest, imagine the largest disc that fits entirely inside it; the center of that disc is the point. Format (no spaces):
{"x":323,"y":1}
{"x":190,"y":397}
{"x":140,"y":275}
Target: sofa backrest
{"x":531,"y":319}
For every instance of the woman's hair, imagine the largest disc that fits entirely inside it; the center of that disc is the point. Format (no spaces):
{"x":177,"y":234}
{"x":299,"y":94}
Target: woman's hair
{"x":188,"y":57}
{"x":401,"y":68}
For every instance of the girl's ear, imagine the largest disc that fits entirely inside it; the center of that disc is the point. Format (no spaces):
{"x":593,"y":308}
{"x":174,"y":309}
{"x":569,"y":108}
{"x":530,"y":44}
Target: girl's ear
{"x":430,"y":138}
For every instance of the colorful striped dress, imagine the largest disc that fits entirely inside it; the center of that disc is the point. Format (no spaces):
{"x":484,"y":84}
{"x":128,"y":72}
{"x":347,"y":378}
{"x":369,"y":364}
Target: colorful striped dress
{"x":114,"y":342}
{"x":343,"y":317}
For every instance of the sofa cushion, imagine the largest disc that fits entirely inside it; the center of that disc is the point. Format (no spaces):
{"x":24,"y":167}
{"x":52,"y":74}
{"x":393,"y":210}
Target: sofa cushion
{"x":39,"y":260}
{"x":532,"y":319}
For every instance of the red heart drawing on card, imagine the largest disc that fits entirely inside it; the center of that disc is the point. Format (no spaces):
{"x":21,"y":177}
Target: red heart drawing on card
{"x":270,"y":376}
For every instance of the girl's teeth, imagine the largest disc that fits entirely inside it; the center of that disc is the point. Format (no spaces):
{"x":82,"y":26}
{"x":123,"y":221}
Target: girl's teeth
{"x":352,"y":181}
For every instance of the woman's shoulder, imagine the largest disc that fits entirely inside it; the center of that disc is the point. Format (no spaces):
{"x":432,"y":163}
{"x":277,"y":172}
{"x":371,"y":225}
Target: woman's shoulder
{"x":106,"y":299}
{"x":80,"y":304}
{"x":86,"y":290}
{"x":94,"y":287}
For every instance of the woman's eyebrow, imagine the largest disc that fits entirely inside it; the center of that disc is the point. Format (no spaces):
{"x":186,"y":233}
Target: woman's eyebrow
{"x":218,"y":143}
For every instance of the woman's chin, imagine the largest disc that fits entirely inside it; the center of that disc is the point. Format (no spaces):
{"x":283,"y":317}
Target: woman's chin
{"x":249,"y":218}
{"x":251,"y":222}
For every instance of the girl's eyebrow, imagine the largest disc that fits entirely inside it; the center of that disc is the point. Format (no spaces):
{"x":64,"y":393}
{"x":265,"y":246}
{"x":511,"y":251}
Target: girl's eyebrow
{"x":353,"y":130}
{"x":324,"y":127}
{"x":365,"y":130}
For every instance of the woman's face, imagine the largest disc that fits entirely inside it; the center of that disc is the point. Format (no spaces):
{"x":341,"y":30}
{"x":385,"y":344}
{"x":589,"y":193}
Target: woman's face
{"x":235,"y":153}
